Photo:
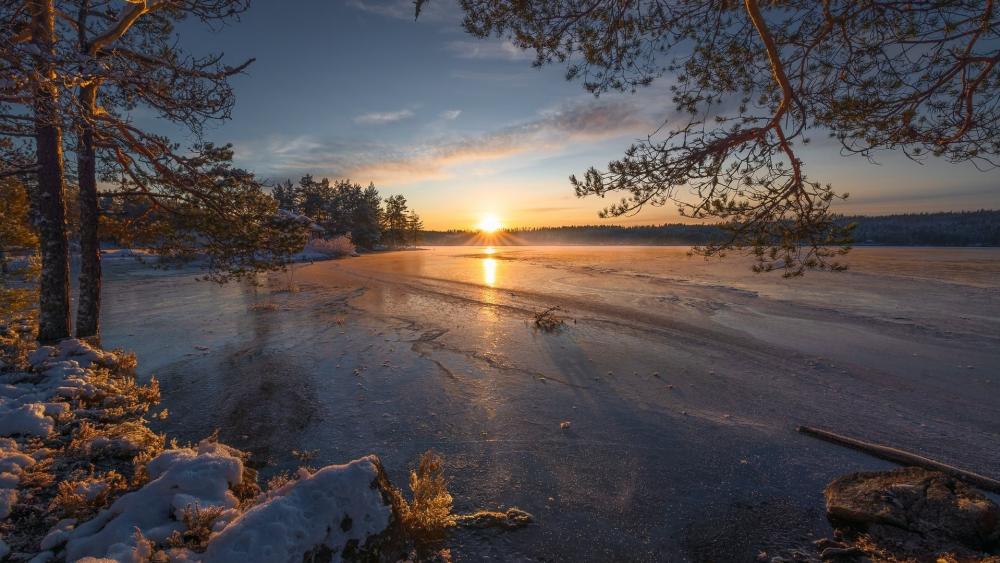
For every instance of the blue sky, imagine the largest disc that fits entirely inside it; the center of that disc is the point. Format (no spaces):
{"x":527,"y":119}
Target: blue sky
{"x":465,"y":127}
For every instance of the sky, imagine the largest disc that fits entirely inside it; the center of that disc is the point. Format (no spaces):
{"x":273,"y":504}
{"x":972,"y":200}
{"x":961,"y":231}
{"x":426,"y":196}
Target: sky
{"x":465,"y":127}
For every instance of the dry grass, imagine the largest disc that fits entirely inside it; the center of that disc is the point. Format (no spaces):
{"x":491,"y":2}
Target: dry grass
{"x":97,"y":452}
{"x":16,"y":339}
{"x":198,"y":527}
{"x":548,"y":321}
{"x":428,"y":516}
{"x":279,"y":480}
{"x":73,"y":501}
{"x":511,"y":519}
{"x":125,"y":440}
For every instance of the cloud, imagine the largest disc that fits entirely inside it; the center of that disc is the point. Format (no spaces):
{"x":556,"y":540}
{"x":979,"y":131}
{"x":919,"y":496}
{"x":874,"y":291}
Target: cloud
{"x":493,"y":50}
{"x":379,"y":118}
{"x":571,"y":125}
{"x":451,"y":114}
{"x":549,"y":133}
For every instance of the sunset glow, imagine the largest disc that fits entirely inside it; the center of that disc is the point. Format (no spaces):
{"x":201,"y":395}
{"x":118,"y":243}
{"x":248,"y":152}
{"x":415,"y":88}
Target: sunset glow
{"x":489,"y":224}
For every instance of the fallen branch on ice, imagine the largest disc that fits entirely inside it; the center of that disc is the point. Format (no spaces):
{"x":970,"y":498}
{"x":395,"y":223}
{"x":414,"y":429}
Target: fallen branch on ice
{"x":902,"y":457}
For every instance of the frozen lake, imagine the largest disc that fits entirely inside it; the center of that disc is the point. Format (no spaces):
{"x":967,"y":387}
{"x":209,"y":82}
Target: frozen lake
{"x":682,"y":380}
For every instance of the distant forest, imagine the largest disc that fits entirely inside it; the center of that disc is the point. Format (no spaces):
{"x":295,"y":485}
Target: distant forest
{"x":966,"y":228}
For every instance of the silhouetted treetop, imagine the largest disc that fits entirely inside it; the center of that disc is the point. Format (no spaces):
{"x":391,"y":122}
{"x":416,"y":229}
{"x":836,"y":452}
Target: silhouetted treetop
{"x":750,"y":81}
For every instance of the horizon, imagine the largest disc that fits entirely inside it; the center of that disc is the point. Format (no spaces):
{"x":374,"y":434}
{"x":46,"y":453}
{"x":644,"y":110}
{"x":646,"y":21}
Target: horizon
{"x":694,"y":222}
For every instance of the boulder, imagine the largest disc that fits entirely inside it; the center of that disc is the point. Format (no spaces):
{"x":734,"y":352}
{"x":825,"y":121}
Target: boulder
{"x":915,"y":509}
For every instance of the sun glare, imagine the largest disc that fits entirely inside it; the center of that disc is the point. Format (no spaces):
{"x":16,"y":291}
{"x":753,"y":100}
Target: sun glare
{"x":489,"y":224}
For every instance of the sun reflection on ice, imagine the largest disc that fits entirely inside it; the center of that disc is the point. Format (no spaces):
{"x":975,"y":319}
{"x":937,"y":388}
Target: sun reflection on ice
{"x":489,"y":271}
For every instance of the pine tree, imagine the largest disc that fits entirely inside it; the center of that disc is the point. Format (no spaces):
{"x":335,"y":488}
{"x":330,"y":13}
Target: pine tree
{"x":414,"y":228}
{"x":394,"y":221}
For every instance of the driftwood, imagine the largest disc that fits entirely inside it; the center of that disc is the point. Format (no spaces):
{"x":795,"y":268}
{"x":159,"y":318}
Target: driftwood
{"x":904,"y":458}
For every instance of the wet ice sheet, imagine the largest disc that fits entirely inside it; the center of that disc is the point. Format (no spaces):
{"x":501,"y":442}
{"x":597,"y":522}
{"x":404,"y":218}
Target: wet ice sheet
{"x":683,"y":381}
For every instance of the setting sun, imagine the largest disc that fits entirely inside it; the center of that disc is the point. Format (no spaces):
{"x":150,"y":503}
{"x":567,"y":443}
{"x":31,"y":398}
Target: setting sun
{"x":489,"y":224}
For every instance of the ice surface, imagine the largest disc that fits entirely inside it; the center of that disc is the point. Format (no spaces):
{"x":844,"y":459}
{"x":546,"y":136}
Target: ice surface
{"x":401,"y":352}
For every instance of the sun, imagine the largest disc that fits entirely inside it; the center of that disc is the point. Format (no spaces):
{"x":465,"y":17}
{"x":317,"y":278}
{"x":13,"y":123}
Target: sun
{"x":489,"y":224}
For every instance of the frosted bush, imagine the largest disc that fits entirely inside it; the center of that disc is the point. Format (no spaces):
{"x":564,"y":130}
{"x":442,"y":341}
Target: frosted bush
{"x":333,"y":248}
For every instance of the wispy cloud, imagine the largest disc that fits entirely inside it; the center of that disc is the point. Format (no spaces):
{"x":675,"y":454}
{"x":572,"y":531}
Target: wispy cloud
{"x":451,"y":114}
{"x":379,"y":118}
{"x":485,"y":49}
{"x":571,"y":125}
{"x":549,"y":133}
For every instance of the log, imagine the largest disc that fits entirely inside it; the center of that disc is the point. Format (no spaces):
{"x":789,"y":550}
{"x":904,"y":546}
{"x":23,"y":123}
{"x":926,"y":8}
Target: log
{"x":902,"y":457}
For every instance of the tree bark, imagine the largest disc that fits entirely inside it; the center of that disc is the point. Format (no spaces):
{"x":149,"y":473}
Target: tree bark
{"x":54,"y":302}
{"x":88,"y":312}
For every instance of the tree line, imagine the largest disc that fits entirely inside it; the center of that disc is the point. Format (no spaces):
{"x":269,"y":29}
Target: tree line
{"x":344,"y":208}
{"x":966,"y":228}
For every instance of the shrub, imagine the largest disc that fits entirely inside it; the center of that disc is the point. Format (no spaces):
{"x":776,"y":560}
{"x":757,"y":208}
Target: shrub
{"x":333,"y":248}
{"x":198,"y":524}
{"x":547,"y":321}
{"x":428,"y":517}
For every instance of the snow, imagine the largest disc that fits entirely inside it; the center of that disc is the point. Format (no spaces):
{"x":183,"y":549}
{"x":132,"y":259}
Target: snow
{"x":12,"y":463}
{"x":124,"y":253}
{"x":27,"y":407}
{"x":333,"y":507}
{"x":179,"y":478}
{"x":305,"y":514}
{"x":28,"y":420}
{"x":58,"y":534}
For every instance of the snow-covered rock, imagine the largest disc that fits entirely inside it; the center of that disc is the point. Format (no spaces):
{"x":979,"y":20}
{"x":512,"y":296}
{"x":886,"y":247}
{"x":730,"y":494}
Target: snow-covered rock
{"x":340,"y":511}
{"x":179,"y":479}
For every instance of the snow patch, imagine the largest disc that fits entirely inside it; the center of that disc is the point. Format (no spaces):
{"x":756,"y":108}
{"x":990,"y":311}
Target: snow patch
{"x":27,"y":407}
{"x":332,"y":507}
{"x":179,"y":479}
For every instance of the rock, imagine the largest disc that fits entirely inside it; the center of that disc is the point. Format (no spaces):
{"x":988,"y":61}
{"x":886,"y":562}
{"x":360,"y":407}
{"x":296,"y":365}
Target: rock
{"x":913,"y":508}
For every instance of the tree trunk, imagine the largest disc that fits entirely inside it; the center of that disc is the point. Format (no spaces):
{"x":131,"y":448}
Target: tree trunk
{"x":54,"y":304}
{"x":88,"y":312}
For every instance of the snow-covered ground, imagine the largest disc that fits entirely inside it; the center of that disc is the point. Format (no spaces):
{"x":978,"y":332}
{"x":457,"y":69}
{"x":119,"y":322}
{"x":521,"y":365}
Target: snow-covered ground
{"x":682,"y":381}
{"x":62,"y":410}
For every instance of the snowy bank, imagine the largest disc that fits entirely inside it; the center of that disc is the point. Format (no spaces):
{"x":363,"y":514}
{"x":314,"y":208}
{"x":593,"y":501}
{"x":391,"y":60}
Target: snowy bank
{"x":82,"y":478}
